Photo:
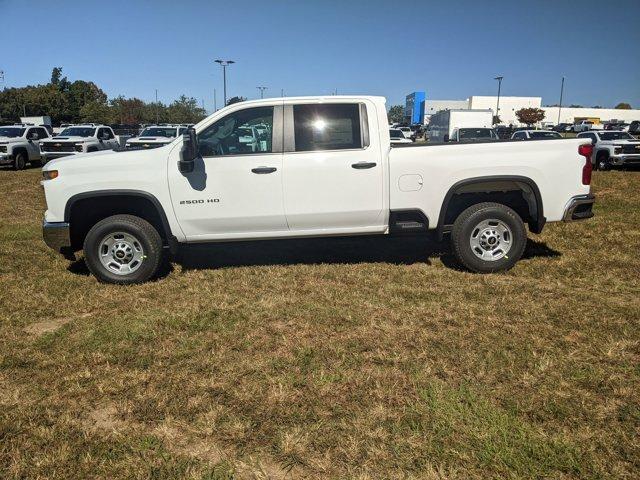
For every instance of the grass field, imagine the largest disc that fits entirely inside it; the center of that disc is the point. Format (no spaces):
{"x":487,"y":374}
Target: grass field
{"x":346,"y":358}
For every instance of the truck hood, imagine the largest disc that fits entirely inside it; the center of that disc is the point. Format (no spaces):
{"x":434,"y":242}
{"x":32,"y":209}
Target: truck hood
{"x":619,"y":142}
{"x":5,"y":140}
{"x":107,"y":161}
{"x":70,"y":139}
{"x":151,"y":139}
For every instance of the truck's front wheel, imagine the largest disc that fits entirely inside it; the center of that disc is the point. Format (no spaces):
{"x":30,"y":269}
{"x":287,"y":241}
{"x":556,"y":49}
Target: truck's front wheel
{"x":20,"y":161}
{"x":123,"y":249}
{"x":488,"y":237}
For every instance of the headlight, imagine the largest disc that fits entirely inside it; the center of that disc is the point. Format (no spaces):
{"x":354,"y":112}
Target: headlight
{"x":79,"y":148}
{"x":49,"y":174}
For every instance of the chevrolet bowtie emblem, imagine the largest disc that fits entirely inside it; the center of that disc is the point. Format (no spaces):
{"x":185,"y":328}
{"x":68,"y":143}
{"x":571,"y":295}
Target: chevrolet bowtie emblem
{"x":58,"y":145}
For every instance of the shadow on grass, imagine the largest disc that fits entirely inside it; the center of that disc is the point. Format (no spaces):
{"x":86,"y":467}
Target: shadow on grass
{"x":341,"y":250}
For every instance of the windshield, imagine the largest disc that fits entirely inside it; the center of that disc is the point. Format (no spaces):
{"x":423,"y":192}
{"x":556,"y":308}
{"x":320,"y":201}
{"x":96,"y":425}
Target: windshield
{"x":544,"y":135}
{"x":11,"y":132}
{"x":615,"y":136}
{"x":396,"y":134}
{"x":475,"y":133}
{"x":159,"y":132}
{"x":78,"y":132}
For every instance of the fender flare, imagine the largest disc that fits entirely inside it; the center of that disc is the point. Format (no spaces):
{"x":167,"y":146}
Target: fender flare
{"x":535,"y":226}
{"x":171,"y":239}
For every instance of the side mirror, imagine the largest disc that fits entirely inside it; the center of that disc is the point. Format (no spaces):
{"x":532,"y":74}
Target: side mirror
{"x":446,"y":137}
{"x":105,"y":136}
{"x":188,"y":152}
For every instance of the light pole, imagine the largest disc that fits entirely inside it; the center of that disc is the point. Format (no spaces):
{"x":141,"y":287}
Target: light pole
{"x":498,"y":102}
{"x":157,"y":114}
{"x":224,"y":64}
{"x":262,"y":89}
{"x":561,"y":92}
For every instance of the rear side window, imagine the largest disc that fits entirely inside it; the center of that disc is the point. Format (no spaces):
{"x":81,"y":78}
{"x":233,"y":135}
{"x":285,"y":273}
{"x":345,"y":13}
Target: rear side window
{"x":327,"y":127}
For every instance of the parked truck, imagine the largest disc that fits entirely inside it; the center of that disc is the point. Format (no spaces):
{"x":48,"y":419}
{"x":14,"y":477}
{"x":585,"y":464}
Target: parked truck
{"x":20,"y":145}
{"x":326,"y":168}
{"x":445,"y":125}
{"x":78,"y":139}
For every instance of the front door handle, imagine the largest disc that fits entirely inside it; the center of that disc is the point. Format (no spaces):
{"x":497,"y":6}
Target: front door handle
{"x":363,"y":165}
{"x":263,"y":170}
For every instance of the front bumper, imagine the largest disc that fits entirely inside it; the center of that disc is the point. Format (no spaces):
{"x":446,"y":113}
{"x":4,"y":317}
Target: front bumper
{"x":6,"y":159}
{"x":57,"y":235}
{"x":625,"y":159}
{"x":579,"y":208}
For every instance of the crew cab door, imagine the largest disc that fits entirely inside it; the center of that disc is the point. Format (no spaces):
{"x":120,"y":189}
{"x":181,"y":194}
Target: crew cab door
{"x":333,"y":168}
{"x":235,"y":190}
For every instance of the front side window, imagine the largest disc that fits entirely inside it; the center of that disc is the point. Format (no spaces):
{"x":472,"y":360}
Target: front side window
{"x":475,"y":133}
{"x":396,"y":134}
{"x":327,"y":127}
{"x":237,"y":134}
{"x":543,"y":135}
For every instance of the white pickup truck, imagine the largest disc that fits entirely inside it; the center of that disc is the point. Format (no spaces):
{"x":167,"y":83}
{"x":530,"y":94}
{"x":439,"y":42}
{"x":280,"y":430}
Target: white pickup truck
{"x":20,"y":144}
{"x":326,"y":169}
{"x":78,"y":139}
{"x":156,"y":136}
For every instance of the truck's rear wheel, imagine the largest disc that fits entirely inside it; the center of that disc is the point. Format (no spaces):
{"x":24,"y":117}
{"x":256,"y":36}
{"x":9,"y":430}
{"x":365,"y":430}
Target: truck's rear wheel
{"x":123,"y":249}
{"x":20,"y":161}
{"x":488,"y":237}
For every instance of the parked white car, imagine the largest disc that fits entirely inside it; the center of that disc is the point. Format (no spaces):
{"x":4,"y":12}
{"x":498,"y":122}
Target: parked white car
{"x":79,"y":139}
{"x":327,"y":169}
{"x":586,"y":125}
{"x":155,"y":136}
{"x":407,"y":132}
{"x":535,"y":135}
{"x":613,"y":148}
{"x":397,"y":136}
{"x":20,"y":144}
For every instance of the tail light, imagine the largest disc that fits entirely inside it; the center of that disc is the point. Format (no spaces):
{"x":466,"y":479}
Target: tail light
{"x":586,"y":151}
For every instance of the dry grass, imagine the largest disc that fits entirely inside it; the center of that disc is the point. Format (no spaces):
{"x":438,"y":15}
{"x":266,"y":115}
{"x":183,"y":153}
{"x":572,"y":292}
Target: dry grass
{"x":360,"y":358}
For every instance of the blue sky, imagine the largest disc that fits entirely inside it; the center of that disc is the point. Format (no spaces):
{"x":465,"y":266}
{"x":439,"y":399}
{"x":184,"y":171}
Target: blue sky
{"x":449,"y":49}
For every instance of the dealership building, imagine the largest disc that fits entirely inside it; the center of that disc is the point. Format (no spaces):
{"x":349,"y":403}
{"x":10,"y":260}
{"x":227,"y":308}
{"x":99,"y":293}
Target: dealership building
{"x":418,"y":109}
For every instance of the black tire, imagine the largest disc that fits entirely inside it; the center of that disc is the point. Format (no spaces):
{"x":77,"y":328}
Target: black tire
{"x":149,"y":240}
{"x":602,"y":161}
{"x":468,"y":224}
{"x":20,"y":161}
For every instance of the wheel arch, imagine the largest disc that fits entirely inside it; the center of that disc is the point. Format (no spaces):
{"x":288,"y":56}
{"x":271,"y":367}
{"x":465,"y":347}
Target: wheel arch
{"x":491,"y":188}
{"x":84,"y":210}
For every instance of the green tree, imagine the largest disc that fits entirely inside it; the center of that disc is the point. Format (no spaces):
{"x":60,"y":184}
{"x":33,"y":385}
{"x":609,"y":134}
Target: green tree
{"x":98,"y":112}
{"x":185,"y":110}
{"x":530,"y":115}
{"x":623,"y":106}
{"x":396,"y":114}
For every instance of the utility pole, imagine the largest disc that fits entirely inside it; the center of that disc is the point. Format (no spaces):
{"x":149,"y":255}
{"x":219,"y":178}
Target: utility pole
{"x":215,"y":101}
{"x":157,"y":113}
{"x":561,"y":92}
{"x":262,"y":89}
{"x":282,"y":92}
{"x":225,"y":64}
{"x":2,"y":86}
{"x":498,"y":102}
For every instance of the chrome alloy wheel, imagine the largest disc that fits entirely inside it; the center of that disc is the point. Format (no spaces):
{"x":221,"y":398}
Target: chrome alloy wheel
{"x":491,"y":240}
{"x":121,"y":253}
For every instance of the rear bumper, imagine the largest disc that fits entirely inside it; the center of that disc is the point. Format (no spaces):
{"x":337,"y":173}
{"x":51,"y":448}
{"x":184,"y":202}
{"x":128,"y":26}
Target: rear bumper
{"x":56,"y":235}
{"x":579,"y":208}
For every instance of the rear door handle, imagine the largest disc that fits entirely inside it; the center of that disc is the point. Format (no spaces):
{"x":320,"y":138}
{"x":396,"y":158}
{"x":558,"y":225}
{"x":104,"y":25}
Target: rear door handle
{"x":263,"y":170}
{"x":363,"y":165}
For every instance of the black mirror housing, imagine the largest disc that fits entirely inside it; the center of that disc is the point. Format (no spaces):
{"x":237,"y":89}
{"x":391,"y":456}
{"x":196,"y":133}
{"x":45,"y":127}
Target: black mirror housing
{"x":189,"y":151}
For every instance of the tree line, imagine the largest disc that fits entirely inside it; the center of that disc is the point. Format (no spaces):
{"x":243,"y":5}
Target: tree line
{"x":83,"y":101}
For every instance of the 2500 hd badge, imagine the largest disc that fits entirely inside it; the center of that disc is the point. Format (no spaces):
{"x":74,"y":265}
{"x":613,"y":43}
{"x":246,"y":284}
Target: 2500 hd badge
{"x":199,"y":202}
